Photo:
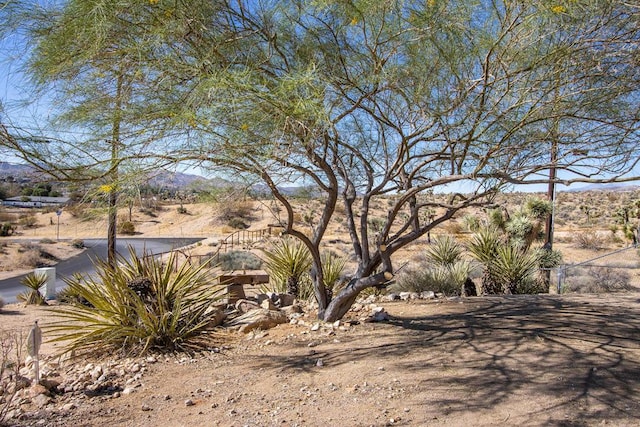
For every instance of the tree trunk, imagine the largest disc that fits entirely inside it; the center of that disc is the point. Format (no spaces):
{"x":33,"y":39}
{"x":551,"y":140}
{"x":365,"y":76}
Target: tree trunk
{"x":341,"y":304}
{"x":293,"y":287}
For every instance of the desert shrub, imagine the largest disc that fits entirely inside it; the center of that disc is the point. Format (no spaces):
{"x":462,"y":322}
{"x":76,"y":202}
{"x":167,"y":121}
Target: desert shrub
{"x":139,"y":306}
{"x":453,"y":227}
{"x":471,"y":222}
{"x":126,"y":227}
{"x":447,"y":280}
{"x":590,"y":241}
{"x":33,"y":282}
{"x":237,"y":223}
{"x":597,"y":280}
{"x":47,"y":241}
{"x":1,"y":303}
{"x":77,"y":243}
{"x":7,"y":229}
{"x":182,"y":210}
{"x":235,"y":209}
{"x":28,"y":221}
{"x":11,"y":356}
{"x":29,"y":255}
{"x":239,"y":260}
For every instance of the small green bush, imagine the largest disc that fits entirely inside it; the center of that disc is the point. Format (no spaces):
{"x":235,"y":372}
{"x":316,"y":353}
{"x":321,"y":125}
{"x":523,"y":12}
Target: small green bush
{"x":126,"y":227}
{"x":7,"y":229}
{"x":28,"y":221}
{"x":77,"y":243}
{"x":237,"y":223}
{"x":239,"y":260}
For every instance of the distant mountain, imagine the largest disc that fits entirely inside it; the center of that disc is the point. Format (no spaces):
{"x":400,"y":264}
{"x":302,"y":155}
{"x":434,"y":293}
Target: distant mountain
{"x":19,"y":173}
{"x":162,"y":178}
{"x":611,"y":187}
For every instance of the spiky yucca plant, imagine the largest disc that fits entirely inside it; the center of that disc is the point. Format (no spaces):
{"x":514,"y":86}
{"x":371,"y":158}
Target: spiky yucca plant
{"x":332,"y":267}
{"x":33,"y":282}
{"x":287,"y":262}
{"x":515,"y":269}
{"x":138,"y":306}
{"x":444,"y":251}
{"x":483,"y":246}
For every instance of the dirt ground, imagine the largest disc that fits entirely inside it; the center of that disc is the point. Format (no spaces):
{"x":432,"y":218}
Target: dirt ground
{"x":511,"y":360}
{"x":552,"y":360}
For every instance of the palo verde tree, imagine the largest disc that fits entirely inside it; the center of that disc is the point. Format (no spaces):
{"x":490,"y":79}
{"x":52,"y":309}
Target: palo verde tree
{"x":393,"y":99}
{"x":389,"y":101}
{"x":87,"y":59}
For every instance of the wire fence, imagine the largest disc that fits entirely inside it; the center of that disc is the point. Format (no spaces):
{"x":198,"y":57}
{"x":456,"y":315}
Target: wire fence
{"x":614,"y":271}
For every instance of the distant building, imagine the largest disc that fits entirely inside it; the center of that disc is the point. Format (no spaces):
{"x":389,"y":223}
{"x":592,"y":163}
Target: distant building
{"x":36,"y":202}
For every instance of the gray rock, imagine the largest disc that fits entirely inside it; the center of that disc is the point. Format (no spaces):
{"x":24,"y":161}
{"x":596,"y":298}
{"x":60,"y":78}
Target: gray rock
{"x":392,"y":297}
{"x":405,"y":296}
{"x":427,"y":295}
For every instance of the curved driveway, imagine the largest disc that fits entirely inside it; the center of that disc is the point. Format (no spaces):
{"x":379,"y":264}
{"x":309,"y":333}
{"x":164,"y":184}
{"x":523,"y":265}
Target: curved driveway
{"x":96,"y":249}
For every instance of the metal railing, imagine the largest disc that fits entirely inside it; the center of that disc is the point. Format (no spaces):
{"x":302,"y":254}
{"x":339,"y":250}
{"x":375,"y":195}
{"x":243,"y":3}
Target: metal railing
{"x":240,"y":238}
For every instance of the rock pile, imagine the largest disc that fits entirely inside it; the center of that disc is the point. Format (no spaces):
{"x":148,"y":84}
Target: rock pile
{"x":65,"y":384}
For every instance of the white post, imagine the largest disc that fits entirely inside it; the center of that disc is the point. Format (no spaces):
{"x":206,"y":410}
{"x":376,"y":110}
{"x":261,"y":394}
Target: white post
{"x":33,"y":346}
{"x":50,"y":284}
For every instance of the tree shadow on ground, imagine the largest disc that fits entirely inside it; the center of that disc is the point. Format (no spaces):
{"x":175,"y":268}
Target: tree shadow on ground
{"x":579,"y":356}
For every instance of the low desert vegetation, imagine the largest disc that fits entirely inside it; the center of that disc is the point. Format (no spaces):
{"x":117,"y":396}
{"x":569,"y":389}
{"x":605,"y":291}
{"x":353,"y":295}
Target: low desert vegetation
{"x":596,"y":279}
{"x":239,"y":260}
{"x":12,"y":355}
{"x":139,"y":306}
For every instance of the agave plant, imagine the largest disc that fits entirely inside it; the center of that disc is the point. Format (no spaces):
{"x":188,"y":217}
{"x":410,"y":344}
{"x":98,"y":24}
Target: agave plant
{"x":139,"y":305}
{"x":33,"y":282}
{"x":287,"y":263}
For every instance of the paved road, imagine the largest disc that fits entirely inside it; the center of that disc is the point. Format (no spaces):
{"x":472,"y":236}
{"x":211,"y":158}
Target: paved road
{"x":96,"y":249}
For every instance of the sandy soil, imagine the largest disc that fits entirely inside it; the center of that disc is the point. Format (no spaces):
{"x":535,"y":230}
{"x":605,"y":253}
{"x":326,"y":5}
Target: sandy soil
{"x":525,"y":360}
{"x":520,"y":360}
